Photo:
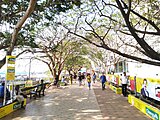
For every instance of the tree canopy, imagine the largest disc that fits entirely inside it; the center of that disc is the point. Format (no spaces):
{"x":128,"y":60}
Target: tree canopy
{"x":134,"y":25}
{"x":127,"y":28}
{"x":34,"y":13}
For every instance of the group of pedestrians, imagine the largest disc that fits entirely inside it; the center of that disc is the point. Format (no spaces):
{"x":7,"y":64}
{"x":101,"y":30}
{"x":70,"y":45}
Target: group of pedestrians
{"x":81,"y":78}
{"x":103,"y":80}
{"x":89,"y":78}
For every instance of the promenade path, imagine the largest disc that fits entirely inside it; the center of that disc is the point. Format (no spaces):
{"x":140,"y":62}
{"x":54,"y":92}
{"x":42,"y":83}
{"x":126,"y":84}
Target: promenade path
{"x":78,"y":103}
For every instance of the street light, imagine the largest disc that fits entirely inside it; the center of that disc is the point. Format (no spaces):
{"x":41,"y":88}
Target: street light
{"x":29,"y":73}
{"x":29,"y":64}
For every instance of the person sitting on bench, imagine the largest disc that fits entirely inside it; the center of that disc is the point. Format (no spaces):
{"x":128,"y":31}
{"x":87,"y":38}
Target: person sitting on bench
{"x":2,"y":87}
{"x":20,"y":96}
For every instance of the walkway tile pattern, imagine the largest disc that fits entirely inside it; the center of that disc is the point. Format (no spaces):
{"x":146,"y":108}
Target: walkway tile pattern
{"x":78,"y":103}
{"x":116,"y":107}
{"x":72,"y":103}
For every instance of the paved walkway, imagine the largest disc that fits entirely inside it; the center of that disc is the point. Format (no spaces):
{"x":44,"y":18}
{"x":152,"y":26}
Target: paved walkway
{"x":116,"y":107}
{"x":78,"y":103}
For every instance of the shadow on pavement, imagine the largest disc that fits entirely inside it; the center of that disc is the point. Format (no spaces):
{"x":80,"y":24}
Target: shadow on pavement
{"x":116,"y":107}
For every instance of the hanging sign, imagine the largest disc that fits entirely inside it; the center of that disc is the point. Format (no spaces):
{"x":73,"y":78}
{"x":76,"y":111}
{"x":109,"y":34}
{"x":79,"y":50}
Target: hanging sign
{"x":11,"y":59}
{"x":10,"y":73}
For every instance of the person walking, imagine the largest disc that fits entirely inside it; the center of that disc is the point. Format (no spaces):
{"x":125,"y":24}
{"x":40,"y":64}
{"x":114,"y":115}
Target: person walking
{"x":75,"y":77}
{"x":89,"y":80}
{"x":94,"y":77}
{"x":80,"y":78}
{"x":124,"y":84}
{"x":103,"y":80}
{"x":83,"y":78}
{"x":71,"y":78}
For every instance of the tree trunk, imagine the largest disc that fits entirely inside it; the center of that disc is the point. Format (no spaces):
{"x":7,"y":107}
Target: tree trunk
{"x":17,"y":28}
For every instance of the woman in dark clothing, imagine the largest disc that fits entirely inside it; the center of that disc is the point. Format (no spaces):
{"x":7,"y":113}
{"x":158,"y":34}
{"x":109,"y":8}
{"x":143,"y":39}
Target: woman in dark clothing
{"x":80,"y":78}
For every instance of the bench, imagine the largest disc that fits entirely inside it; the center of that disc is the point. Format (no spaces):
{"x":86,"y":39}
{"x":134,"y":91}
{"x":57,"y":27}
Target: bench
{"x":39,"y":90}
{"x":27,"y":91}
{"x":35,"y":91}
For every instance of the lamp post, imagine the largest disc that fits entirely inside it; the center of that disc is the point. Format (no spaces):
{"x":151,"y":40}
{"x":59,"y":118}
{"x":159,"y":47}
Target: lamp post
{"x":29,"y":72}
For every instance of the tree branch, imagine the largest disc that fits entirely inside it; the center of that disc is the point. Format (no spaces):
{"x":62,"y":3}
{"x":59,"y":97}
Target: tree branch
{"x":19,"y":25}
{"x":151,"y":62}
{"x":153,"y":54}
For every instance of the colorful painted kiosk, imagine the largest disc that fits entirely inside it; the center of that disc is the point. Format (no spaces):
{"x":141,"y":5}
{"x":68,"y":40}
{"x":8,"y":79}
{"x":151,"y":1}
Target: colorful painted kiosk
{"x":147,"y":91}
{"x":8,"y":106}
{"x":144,"y":93}
{"x":7,"y":109}
{"x":114,"y":83}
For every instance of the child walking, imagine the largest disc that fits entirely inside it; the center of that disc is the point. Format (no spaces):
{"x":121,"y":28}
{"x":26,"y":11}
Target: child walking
{"x":89,"y":80}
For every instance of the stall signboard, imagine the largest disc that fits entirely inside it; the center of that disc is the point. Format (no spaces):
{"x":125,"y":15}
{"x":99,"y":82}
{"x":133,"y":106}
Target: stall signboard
{"x":10,"y":73}
{"x":109,"y":78}
{"x":7,"y":109}
{"x":139,"y":83}
{"x":28,"y":83}
{"x":152,"y":113}
{"x":131,"y":83}
{"x":149,"y":86}
{"x":115,"y":79}
{"x":153,"y":88}
{"x":144,"y":107}
{"x":11,"y":59}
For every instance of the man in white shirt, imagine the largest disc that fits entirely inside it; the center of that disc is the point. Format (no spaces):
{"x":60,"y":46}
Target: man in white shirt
{"x":124,"y":84}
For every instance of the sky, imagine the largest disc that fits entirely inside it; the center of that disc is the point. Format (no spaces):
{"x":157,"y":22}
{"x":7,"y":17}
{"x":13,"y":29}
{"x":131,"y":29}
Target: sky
{"x":23,"y":63}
